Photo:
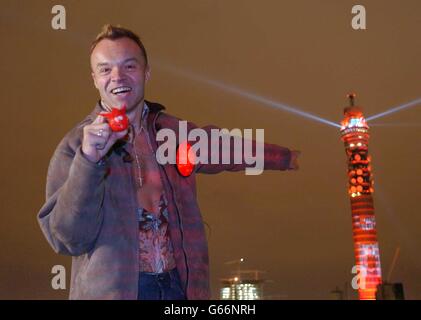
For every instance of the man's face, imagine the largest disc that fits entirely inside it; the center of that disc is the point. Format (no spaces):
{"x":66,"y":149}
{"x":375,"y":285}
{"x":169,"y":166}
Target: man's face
{"x":120,"y":72}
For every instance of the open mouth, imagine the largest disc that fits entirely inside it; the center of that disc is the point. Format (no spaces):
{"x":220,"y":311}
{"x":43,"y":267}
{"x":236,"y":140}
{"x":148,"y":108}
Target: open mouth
{"x":121,"y":90}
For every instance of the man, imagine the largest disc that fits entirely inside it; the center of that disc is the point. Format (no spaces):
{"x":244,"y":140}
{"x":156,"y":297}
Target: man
{"x":132,"y":226}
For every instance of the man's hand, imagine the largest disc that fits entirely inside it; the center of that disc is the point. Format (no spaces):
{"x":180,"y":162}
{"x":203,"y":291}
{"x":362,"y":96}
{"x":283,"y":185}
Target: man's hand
{"x":98,"y":138}
{"x":293,"y":163}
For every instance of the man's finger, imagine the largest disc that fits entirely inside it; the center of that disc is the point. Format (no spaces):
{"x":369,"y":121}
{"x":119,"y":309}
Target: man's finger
{"x":121,"y":134}
{"x":110,"y":143}
{"x":99,"y":119}
{"x":100,"y":131}
{"x":114,"y":137}
{"x":99,"y":146}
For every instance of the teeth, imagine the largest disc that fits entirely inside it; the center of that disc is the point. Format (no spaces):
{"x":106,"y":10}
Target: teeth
{"x":121,"y":89}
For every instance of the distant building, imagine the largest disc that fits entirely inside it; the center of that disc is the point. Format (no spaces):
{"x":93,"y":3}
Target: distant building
{"x":390,"y":291}
{"x":337,"y":294}
{"x":246,"y":285}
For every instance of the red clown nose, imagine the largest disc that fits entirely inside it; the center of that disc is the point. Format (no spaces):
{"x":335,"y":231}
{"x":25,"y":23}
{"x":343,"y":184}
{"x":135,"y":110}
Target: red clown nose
{"x":117,"y":118}
{"x":185,"y":159}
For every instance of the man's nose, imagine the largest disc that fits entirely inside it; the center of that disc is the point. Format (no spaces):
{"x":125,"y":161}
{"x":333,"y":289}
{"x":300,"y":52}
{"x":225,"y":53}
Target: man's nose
{"x":117,"y":74}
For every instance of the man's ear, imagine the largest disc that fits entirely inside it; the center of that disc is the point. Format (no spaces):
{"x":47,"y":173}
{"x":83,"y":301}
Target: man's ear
{"x":147,"y":73}
{"x":93,"y":78}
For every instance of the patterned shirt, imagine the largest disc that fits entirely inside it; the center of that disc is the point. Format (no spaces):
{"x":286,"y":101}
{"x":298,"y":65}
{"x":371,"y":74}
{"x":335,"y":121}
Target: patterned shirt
{"x":156,"y":251}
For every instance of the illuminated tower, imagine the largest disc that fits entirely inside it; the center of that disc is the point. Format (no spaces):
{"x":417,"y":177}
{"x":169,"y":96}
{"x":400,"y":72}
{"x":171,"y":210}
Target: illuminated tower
{"x":355,"y":136}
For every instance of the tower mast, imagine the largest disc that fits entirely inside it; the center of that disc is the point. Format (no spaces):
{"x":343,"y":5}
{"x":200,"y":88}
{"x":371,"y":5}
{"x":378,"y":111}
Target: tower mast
{"x":355,"y":135}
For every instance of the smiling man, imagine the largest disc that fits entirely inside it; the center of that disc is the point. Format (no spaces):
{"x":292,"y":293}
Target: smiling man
{"x":132,"y":226}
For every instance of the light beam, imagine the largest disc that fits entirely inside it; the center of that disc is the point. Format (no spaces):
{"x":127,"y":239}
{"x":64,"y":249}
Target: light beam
{"x":402,"y":124}
{"x":245,"y":94}
{"x":395,"y":109}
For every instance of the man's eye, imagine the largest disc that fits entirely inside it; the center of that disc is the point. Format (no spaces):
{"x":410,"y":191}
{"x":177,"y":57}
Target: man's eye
{"x":104,"y":70}
{"x":130,"y":66}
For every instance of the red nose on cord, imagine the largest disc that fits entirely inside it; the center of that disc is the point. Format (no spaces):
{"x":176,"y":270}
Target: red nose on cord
{"x":117,"y":118}
{"x":185,"y":159}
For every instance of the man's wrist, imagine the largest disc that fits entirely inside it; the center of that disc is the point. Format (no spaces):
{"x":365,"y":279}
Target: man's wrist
{"x":100,"y":162}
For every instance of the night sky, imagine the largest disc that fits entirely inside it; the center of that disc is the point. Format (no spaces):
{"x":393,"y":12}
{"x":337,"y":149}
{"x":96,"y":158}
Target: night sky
{"x":213,"y":62}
